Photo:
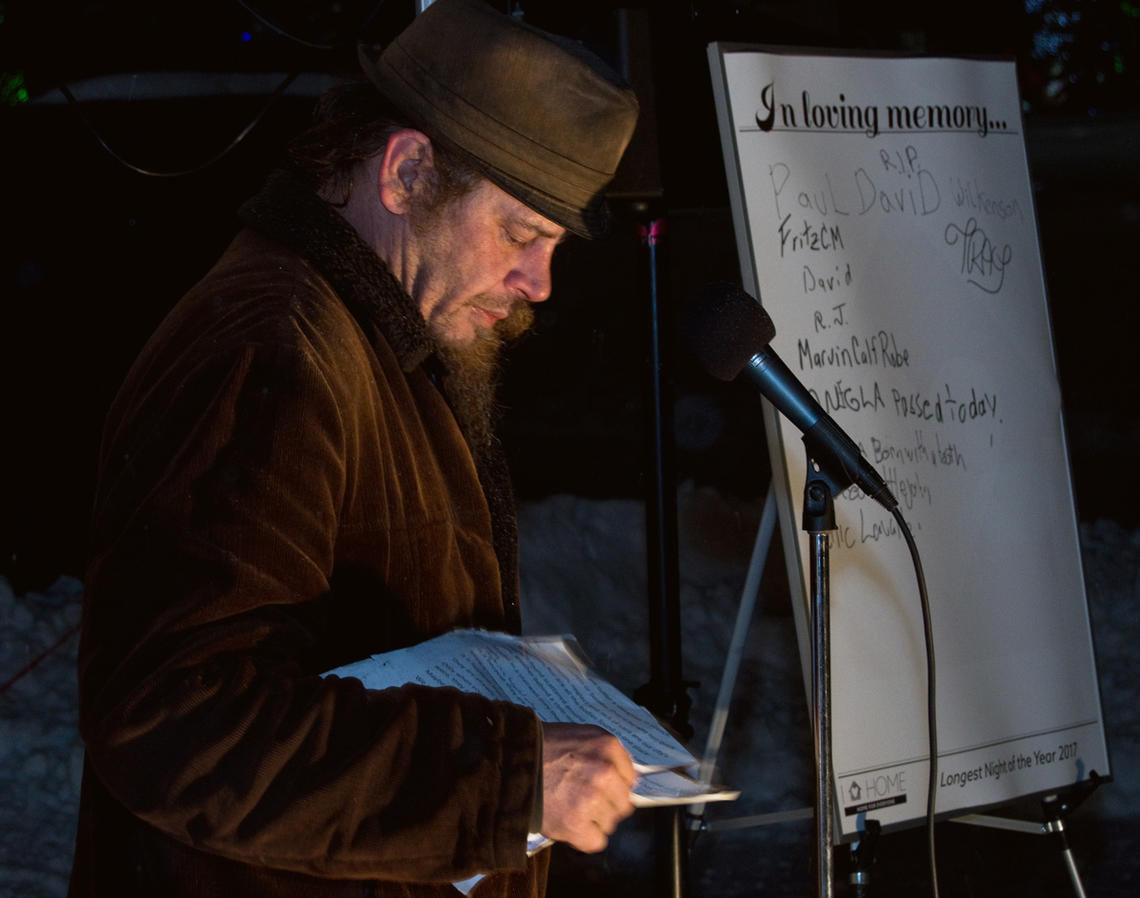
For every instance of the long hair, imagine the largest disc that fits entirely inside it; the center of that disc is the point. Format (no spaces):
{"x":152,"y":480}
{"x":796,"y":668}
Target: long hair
{"x":351,"y":123}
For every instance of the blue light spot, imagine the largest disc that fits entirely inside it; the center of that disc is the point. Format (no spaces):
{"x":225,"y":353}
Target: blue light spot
{"x":246,"y":37}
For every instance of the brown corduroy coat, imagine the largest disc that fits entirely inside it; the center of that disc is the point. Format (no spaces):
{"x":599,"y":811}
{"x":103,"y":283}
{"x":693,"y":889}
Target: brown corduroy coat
{"x":283,"y":489}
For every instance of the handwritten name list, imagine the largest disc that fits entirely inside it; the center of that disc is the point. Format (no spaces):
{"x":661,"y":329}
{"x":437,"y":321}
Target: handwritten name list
{"x":858,"y":359}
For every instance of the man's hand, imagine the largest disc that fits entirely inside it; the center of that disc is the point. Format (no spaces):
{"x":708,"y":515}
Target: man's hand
{"x":587,"y":776}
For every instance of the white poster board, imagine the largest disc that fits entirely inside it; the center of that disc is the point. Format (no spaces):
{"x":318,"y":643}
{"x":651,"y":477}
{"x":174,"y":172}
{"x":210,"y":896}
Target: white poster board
{"x":884,"y":216}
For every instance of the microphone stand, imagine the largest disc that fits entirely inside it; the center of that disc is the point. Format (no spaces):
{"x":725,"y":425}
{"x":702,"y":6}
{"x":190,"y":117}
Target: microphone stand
{"x":834,"y":463}
{"x":817,"y":521}
{"x":664,"y":694}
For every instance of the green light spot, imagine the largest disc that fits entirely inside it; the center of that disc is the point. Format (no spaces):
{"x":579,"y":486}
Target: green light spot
{"x":12,"y":90}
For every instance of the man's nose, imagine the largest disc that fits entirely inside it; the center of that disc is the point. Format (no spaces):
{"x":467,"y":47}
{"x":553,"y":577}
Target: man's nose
{"x":531,"y":277}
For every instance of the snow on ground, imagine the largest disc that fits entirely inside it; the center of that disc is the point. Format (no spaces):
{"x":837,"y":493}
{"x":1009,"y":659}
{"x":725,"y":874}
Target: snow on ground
{"x":41,"y":756}
{"x":584,"y":573}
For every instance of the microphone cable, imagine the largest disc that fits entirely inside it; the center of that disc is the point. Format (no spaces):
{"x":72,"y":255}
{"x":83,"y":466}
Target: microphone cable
{"x":931,"y":711}
{"x":78,"y":108}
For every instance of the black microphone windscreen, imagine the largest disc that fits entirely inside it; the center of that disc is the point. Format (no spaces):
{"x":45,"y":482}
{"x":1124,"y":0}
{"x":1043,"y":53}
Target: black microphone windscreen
{"x":724,"y":327}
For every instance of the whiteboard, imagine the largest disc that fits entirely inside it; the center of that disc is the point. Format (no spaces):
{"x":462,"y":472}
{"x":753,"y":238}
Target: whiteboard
{"x":884,"y":217}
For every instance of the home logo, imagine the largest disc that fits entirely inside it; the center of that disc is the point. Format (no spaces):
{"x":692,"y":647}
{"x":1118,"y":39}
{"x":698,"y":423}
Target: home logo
{"x":875,"y":790}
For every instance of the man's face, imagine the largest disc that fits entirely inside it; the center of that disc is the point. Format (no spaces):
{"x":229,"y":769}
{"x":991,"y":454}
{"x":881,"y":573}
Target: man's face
{"x":477,"y":258}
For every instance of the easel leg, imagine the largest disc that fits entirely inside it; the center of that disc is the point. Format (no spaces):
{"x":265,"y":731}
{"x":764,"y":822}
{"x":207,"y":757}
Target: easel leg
{"x":1056,"y":808}
{"x":863,"y":859}
{"x":739,"y":635}
{"x":1056,"y":828}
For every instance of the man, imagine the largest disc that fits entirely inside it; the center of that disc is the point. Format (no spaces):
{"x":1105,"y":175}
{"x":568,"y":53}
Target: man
{"x":299,"y":472}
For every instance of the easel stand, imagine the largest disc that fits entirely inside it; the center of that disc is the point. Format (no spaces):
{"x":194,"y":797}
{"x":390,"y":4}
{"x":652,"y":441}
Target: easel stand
{"x":862,"y":859}
{"x":1055,"y":808}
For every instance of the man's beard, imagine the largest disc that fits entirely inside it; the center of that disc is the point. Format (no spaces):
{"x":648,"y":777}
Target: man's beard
{"x":473,"y":375}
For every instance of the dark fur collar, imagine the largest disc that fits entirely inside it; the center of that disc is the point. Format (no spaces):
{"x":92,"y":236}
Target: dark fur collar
{"x":293,"y":215}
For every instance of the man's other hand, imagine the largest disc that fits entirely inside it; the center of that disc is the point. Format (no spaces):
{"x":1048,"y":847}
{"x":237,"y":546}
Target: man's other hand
{"x":587,"y":776}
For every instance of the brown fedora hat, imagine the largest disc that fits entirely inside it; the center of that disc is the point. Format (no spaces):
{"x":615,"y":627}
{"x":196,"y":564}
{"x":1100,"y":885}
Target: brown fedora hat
{"x":539,"y":115}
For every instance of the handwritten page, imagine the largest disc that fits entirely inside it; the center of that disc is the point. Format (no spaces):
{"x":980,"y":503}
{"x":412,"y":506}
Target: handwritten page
{"x":884,"y":217}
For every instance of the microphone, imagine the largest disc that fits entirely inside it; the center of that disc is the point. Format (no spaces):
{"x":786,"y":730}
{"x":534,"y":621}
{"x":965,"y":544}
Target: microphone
{"x":729,"y":333}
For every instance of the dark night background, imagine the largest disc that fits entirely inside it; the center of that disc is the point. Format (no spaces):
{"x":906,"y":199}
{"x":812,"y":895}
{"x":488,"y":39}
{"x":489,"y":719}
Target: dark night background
{"x":93,"y":254}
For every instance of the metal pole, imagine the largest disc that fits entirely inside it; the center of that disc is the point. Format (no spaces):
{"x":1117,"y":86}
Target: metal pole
{"x":665,"y":694}
{"x":818,"y":519}
{"x":821,"y":701}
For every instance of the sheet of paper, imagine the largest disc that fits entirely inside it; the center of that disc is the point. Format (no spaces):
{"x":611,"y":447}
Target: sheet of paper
{"x":545,"y":673}
{"x":548,"y":674}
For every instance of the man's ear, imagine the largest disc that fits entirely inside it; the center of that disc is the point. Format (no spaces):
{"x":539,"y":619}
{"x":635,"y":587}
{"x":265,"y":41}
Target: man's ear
{"x":404,"y":169}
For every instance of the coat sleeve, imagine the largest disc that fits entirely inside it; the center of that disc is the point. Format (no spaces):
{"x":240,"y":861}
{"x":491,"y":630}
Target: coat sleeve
{"x":222,"y":478}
